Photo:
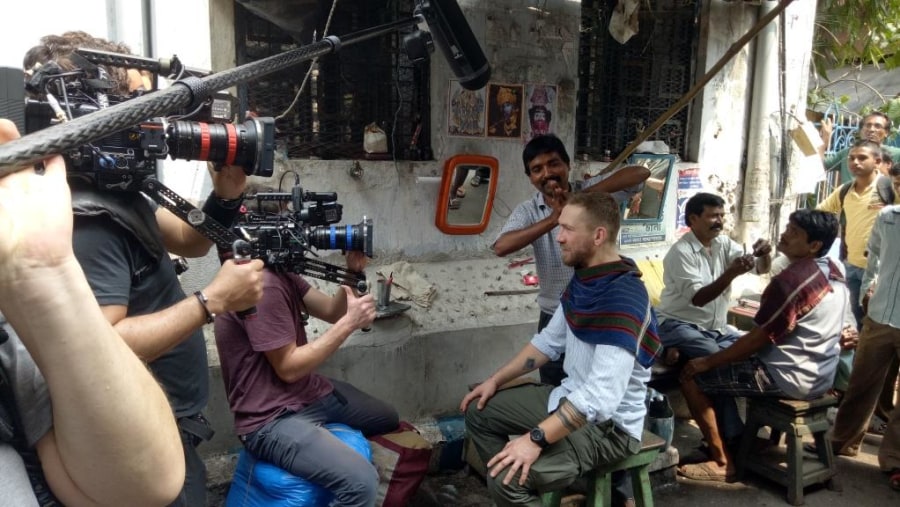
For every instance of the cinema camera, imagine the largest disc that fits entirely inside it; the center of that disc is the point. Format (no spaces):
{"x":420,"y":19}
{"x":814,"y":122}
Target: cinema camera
{"x":123,"y":160}
{"x":286,"y":226}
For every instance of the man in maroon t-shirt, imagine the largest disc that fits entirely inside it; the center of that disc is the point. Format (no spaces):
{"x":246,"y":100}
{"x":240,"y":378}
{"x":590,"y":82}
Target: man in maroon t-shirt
{"x":280,"y":403}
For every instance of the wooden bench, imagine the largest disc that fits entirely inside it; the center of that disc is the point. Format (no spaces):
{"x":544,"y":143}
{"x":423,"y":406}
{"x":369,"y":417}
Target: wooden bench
{"x":795,"y":419}
{"x":600,"y":478}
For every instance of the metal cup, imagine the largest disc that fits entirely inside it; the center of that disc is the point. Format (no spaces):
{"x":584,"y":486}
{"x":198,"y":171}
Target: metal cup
{"x":383,"y":293}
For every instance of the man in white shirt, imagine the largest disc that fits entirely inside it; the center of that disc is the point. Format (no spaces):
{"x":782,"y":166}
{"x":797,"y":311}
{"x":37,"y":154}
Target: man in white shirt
{"x":698,"y":271}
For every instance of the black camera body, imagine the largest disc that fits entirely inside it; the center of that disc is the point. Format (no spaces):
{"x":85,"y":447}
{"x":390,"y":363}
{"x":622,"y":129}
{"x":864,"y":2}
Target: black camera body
{"x":283,"y":236}
{"x":123,"y":160}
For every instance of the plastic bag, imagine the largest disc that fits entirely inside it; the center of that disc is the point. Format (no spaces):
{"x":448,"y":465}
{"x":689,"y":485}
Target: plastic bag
{"x":261,"y":484}
{"x":660,"y":419}
{"x":374,"y":139}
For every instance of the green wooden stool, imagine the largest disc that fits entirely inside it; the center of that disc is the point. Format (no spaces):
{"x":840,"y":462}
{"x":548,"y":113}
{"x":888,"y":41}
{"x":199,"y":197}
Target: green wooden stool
{"x":600,"y":478}
{"x":795,"y":419}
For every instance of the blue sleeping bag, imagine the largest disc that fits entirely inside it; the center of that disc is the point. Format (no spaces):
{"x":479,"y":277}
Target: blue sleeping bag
{"x":261,"y":484}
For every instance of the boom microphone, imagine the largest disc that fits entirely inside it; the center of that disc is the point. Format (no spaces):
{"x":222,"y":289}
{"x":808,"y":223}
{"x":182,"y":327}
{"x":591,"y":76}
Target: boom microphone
{"x":451,"y":32}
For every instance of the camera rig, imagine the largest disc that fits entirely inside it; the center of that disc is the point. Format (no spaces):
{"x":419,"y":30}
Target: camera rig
{"x":446,"y":27}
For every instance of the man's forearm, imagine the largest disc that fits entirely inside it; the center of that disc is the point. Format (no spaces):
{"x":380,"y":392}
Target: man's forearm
{"x":743,"y":348}
{"x":527,"y":360}
{"x":713,"y":290}
{"x":152,"y":335}
{"x":108,"y":411}
{"x":513,"y":241}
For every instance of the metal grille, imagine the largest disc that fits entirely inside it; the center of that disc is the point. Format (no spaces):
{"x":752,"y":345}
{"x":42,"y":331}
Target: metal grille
{"x":368,"y":82}
{"x":623,"y":88}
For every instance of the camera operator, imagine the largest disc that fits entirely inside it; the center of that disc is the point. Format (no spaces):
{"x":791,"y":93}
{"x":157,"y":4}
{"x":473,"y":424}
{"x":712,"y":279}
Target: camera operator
{"x":278,"y":400}
{"x":111,"y":438}
{"x":121,"y":240}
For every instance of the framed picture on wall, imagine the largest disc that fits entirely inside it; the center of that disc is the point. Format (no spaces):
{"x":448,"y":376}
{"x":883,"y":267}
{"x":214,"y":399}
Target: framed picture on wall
{"x":540,"y":104}
{"x":504,"y":110}
{"x":465,"y":111}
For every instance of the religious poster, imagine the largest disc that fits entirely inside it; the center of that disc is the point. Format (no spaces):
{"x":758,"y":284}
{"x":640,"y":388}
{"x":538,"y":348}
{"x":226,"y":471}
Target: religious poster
{"x":465,"y":111}
{"x":504,"y":111}
{"x":540,"y":101}
{"x":688,"y":184}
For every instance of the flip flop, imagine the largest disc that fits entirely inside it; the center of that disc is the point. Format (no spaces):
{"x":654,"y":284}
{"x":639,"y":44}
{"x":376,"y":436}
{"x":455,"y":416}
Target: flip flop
{"x":454,"y":204}
{"x":702,"y":472}
{"x":460,"y":192}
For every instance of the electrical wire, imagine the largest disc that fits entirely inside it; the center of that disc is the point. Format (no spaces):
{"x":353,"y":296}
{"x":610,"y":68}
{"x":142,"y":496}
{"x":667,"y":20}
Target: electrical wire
{"x":312,"y":65}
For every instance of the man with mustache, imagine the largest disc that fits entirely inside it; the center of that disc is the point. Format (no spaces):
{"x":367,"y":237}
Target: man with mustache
{"x":698,"y":271}
{"x":535,"y":222}
{"x":791,"y":352}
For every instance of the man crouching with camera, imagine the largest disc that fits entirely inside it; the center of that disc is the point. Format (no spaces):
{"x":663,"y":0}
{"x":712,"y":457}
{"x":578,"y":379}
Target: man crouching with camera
{"x":121,"y":240}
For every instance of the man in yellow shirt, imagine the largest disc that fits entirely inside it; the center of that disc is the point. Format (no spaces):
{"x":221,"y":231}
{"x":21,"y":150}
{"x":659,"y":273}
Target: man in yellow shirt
{"x":858,"y":207}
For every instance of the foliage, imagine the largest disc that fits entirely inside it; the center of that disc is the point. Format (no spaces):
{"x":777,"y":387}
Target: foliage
{"x":856,"y":32}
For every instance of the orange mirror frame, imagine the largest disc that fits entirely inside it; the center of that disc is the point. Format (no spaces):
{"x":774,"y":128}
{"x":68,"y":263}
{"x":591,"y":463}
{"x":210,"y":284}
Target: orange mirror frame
{"x":452,"y":218}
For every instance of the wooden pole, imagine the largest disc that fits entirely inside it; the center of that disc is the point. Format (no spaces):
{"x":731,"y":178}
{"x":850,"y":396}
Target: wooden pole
{"x":687,"y":97}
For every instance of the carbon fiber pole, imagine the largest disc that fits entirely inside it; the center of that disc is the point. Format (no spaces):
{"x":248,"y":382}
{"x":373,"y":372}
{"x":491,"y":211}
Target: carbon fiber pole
{"x":36,"y":146}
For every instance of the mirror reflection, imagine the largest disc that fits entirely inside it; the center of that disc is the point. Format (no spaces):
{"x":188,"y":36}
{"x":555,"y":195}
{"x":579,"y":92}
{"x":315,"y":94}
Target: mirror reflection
{"x":468,"y":194}
{"x":648,"y":203}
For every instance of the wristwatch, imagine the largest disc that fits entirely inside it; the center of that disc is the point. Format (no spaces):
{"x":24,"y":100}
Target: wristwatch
{"x":537,"y":436}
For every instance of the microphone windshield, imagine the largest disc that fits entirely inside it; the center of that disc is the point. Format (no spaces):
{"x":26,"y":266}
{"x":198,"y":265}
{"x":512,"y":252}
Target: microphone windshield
{"x":451,"y":32}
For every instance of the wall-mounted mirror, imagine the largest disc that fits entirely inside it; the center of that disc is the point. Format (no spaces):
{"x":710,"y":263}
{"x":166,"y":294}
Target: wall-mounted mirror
{"x":467,"y":194}
{"x":648,"y":204}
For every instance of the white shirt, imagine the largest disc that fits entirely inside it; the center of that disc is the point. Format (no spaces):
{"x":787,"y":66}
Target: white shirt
{"x":603,"y":381}
{"x":688,"y":267}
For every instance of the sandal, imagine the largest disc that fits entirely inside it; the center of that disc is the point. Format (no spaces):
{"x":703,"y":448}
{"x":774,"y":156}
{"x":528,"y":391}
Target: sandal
{"x":454,"y":204}
{"x":460,"y":192}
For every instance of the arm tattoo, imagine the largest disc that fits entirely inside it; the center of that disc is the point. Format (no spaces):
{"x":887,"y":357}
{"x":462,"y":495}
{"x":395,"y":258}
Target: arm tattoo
{"x":570,"y":416}
{"x":529,"y":364}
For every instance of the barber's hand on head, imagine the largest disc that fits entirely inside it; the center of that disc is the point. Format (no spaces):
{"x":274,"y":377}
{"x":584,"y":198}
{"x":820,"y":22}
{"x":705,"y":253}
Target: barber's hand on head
{"x":693,"y":367}
{"x":482,"y":392}
{"x":35,"y":216}
{"x":761,"y":248}
{"x":229,"y":181}
{"x":236,"y":287}
{"x":360,"y":310}
{"x":356,"y":261}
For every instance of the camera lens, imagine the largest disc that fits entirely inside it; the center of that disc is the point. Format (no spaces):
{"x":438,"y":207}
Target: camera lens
{"x":250,"y":144}
{"x":355,"y":238}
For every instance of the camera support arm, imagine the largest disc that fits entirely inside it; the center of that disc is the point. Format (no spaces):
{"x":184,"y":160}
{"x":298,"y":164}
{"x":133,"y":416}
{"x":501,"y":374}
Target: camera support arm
{"x":225,"y":238}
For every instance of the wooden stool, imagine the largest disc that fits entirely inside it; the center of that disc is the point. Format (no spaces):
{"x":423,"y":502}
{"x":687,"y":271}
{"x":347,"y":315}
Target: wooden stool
{"x":795,"y":419}
{"x":600,"y":478}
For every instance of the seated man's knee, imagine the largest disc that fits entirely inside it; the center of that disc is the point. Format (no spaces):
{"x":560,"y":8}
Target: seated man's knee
{"x":359,"y":487}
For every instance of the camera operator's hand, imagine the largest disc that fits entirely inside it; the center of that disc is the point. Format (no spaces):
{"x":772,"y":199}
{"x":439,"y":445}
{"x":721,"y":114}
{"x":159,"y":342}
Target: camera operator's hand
{"x":360,"y":310}
{"x":236,"y":287}
{"x":228,"y":181}
{"x":356,"y":261}
{"x":35,"y":217}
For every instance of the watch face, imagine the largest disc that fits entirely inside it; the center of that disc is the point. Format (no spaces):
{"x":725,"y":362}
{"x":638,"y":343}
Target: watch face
{"x":537,"y":436}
